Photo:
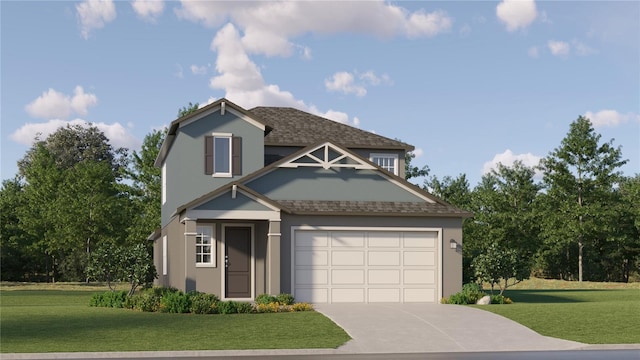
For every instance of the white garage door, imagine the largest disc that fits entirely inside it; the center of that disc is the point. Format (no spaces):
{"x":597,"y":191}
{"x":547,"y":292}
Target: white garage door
{"x":365,"y":266}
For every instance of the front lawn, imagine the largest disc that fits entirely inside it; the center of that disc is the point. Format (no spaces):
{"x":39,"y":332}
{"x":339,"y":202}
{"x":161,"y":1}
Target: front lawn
{"x":62,"y":321}
{"x":593,"y":314}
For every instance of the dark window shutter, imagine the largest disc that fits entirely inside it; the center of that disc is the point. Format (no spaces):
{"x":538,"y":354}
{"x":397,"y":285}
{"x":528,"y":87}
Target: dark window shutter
{"x":236,"y":156}
{"x":208,"y":155}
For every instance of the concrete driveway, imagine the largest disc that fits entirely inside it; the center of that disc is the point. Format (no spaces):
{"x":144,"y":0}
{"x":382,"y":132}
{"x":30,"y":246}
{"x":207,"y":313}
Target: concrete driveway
{"x":398,"y":328}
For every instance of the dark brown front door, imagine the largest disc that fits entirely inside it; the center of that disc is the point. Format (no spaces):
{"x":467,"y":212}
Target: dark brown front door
{"x":237,"y":242}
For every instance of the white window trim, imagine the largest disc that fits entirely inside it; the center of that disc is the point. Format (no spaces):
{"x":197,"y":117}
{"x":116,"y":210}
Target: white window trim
{"x":164,"y":183}
{"x":393,"y":157}
{"x":212,"y":228}
{"x":226,"y":136}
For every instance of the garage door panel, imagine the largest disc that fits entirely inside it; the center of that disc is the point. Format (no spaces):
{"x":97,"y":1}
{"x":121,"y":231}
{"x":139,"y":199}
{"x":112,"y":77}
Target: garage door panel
{"x":384,"y":239}
{"x":348,"y":295}
{"x":312,"y":258}
{"x":420,"y":239}
{"x":419,"y":277}
{"x":347,"y":258}
{"x":419,"y":258}
{"x":384,"y":258}
{"x":312,"y":238}
{"x":384,"y":277}
{"x":315,"y":295}
{"x":347,"y":239}
{"x":384,"y":295}
{"x":366,"y":266}
{"x":347,"y":277}
{"x":419,"y":295}
{"x":312,"y":277}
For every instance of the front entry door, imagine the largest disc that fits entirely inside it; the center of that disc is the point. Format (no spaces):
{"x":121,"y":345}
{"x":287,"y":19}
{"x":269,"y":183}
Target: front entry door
{"x":237,"y":242}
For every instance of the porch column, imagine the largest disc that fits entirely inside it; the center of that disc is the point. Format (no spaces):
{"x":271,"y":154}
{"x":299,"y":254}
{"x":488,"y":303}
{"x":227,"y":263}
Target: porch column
{"x":273,"y":257}
{"x":189,"y":254}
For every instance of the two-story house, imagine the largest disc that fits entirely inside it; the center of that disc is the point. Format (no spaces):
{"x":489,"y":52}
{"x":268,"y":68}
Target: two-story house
{"x":273,"y":200}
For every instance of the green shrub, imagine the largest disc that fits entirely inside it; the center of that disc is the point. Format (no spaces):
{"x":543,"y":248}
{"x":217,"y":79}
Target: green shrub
{"x":271,"y":307}
{"x":500,"y":299}
{"x":202,"y":303}
{"x":175,"y":302}
{"x":161,"y":291}
{"x":147,"y":301}
{"x":244,"y":308}
{"x":301,"y":307}
{"x":113,"y":299}
{"x":265,"y":299}
{"x":470,"y":294}
{"x":285,"y":299}
{"x":228,"y":307}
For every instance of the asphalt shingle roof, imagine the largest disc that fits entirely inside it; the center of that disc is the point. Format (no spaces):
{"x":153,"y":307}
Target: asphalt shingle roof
{"x":386,"y":208}
{"x":293,"y":127}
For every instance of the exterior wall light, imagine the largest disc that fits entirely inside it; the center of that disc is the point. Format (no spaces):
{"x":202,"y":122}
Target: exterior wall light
{"x":453,"y":244}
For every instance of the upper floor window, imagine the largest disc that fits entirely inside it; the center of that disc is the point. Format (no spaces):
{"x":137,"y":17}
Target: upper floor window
{"x":388,"y":162}
{"x":223,"y":155}
{"x":205,"y":246}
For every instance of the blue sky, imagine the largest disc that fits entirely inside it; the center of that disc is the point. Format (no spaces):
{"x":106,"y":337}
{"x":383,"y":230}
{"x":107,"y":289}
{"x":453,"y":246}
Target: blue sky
{"x":469,"y":84}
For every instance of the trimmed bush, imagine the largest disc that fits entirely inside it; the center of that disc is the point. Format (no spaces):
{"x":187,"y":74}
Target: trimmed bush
{"x":147,"y":301}
{"x":500,"y":299}
{"x":175,"y":302}
{"x":301,"y":307}
{"x":114,"y":299}
{"x":244,"y":308}
{"x":265,"y":299}
{"x":228,"y":307}
{"x":202,"y":303}
{"x":285,"y":299}
{"x":271,"y":307}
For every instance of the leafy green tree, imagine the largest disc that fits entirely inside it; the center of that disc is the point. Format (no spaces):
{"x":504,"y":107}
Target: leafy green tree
{"x":186,"y":110}
{"x":72,"y":196}
{"x":579,"y":179}
{"x":503,"y":206}
{"x":411,"y":171}
{"x":146,"y":188}
{"x":498,"y":265}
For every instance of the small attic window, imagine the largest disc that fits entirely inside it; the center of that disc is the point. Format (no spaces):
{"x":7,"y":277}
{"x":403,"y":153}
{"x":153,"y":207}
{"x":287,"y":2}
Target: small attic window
{"x":388,"y":162}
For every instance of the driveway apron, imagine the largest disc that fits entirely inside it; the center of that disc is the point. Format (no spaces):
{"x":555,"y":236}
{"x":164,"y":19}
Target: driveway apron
{"x":397,"y":328}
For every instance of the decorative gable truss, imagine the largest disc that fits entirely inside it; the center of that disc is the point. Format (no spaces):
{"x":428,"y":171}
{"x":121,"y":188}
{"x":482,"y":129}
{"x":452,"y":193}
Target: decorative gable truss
{"x":327,"y":156}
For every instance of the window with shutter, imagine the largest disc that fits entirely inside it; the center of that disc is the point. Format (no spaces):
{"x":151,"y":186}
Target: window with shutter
{"x":223,"y":155}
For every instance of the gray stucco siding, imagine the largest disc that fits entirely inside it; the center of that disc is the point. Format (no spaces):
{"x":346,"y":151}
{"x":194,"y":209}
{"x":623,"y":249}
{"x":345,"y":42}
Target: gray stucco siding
{"x":312,"y":183}
{"x":185,"y":178}
{"x":226,"y":202}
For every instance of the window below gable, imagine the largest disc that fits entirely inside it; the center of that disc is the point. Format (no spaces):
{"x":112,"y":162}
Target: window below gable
{"x":223,"y":155}
{"x":388,"y":162}
{"x":205,"y":246}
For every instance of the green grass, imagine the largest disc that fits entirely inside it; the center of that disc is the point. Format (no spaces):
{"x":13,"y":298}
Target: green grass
{"x":62,"y":321}
{"x":592,"y":313}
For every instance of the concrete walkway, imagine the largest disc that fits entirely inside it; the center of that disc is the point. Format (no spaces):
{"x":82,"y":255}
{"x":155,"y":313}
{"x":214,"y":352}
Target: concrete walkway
{"x":398,"y":328}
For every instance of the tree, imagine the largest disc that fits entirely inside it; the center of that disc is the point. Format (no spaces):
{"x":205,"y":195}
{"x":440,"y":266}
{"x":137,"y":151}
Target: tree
{"x":73,"y":199}
{"x":186,"y":110}
{"x":579,"y":178}
{"x":413,"y":172}
{"x":497,"y":265}
{"x":146,"y":188}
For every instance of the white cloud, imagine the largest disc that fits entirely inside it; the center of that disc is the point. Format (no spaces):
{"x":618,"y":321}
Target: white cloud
{"x":610,"y":118}
{"x":559,"y":48}
{"x":268,"y":27}
{"x":94,"y":14}
{"x":533,"y":52}
{"x":54,"y":104}
{"x":418,"y":152}
{"x":582,"y":49}
{"x":148,"y":10}
{"x":198,"y":70}
{"x":507,"y":158}
{"x":344,"y":82}
{"x":118,"y":135}
{"x":465,"y":30}
{"x":516,"y":14}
